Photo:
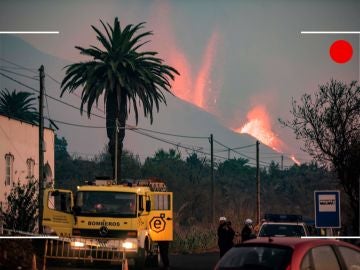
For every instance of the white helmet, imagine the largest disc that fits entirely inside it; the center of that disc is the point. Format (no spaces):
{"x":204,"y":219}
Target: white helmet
{"x":248,"y":221}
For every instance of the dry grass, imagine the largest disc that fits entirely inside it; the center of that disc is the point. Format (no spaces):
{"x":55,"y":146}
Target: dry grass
{"x":194,"y":239}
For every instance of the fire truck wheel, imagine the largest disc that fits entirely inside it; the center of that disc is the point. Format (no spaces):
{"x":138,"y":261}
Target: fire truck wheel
{"x":153,"y":259}
{"x":140,"y":259}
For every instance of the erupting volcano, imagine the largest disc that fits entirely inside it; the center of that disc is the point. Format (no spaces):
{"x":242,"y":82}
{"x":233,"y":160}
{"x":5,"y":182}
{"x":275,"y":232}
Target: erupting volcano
{"x":196,"y":84}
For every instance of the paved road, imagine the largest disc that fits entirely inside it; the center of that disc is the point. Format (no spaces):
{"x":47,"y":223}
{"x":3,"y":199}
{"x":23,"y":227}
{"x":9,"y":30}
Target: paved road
{"x":205,"y":261}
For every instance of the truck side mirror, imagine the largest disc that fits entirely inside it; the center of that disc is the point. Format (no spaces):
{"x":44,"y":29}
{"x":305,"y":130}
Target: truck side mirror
{"x":148,"y":206}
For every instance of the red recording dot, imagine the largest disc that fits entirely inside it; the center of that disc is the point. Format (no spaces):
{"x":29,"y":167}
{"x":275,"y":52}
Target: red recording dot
{"x":341,"y":51}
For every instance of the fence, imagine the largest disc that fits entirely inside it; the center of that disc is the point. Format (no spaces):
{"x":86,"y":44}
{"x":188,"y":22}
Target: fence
{"x":88,"y":250}
{"x":76,"y":249}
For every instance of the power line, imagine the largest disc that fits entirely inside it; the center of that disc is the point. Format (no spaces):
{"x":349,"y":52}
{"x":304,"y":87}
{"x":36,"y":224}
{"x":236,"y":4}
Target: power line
{"x":131,"y":128}
{"x":19,"y":66}
{"x":158,"y":132}
{"x":239,"y":152}
{"x":31,"y":70}
{"x":174,"y":135}
{"x":31,"y":88}
{"x":76,"y":125}
{"x":19,"y":74}
{"x":235,"y":148}
{"x":149,"y":130}
{"x":53,"y":98}
{"x":189,"y":147}
{"x":177,"y":144}
{"x":10,"y":78}
{"x":9,"y":67}
{"x":52,"y":78}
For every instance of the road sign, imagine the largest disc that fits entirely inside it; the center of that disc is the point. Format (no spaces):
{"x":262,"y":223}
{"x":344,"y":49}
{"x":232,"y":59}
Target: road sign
{"x":327,"y":209}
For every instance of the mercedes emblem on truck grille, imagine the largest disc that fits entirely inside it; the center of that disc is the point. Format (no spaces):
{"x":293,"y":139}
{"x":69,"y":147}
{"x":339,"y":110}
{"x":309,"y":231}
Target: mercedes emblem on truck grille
{"x":103,"y":231}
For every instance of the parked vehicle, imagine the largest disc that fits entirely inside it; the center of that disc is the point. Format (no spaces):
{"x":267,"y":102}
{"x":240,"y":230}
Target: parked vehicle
{"x":283,"y":225}
{"x":290,"y":253}
{"x":133,"y":217}
{"x":286,"y":229}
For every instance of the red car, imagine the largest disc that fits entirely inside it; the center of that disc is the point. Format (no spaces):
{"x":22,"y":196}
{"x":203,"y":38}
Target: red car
{"x":289,"y":253}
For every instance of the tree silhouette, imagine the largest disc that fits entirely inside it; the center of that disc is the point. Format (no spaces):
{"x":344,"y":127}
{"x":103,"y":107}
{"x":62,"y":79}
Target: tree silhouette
{"x":18,"y":105}
{"x":329,"y":124}
{"x":125,"y":75}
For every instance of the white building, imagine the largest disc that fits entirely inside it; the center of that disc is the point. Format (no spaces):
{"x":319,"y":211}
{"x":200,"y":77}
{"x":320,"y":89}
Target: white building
{"x":19,"y":154}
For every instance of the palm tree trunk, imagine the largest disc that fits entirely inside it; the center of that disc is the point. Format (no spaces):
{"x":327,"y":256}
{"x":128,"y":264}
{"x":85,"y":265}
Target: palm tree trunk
{"x":110,"y":129}
{"x":121,"y":134}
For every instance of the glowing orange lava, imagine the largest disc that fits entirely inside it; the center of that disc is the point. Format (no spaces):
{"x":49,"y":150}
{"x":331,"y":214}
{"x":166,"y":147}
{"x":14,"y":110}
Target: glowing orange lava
{"x":182,"y":84}
{"x":190,"y":86}
{"x":295,"y":160}
{"x":203,"y":76}
{"x":185,"y":87}
{"x":259,"y":126}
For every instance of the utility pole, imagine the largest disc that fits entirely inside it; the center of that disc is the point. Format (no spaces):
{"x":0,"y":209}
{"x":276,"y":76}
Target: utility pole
{"x":212,"y":178}
{"x":229,"y":153}
{"x":116,"y":149}
{"x":41,"y":148}
{"x":257,"y":184}
{"x":282,"y":162}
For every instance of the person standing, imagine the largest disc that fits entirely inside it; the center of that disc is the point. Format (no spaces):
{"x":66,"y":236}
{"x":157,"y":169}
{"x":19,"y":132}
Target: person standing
{"x":247,"y":232}
{"x":230,"y":236}
{"x":164,"y":254}
{"x":225,"y":236}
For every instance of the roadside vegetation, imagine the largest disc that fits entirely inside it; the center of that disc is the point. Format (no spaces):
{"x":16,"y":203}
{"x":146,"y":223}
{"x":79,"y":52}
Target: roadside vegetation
{"x":21,"y":211}
{"x":282,"y":191}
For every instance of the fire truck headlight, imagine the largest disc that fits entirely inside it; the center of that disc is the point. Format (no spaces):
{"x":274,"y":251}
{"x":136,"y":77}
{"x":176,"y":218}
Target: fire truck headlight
{"x":128,"y":245}
{"x":77,"y":244}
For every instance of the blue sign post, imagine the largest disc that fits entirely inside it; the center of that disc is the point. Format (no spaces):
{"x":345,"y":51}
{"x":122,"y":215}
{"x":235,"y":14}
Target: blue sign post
{"x":327,"y":209}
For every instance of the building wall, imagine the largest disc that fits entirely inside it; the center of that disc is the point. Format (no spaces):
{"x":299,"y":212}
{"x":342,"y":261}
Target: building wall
{"x":21,"y":140}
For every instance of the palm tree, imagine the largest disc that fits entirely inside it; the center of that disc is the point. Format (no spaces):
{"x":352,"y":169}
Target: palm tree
{"x":18,"y":105}
{"x":126,"y":76}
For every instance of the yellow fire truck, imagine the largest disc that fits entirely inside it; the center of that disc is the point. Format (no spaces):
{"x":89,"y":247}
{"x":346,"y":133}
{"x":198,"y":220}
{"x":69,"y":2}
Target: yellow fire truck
{"x":138,"y":214}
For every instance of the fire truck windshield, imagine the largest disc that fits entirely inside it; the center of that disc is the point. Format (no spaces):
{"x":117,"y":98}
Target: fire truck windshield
{"x":106,"y":204}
